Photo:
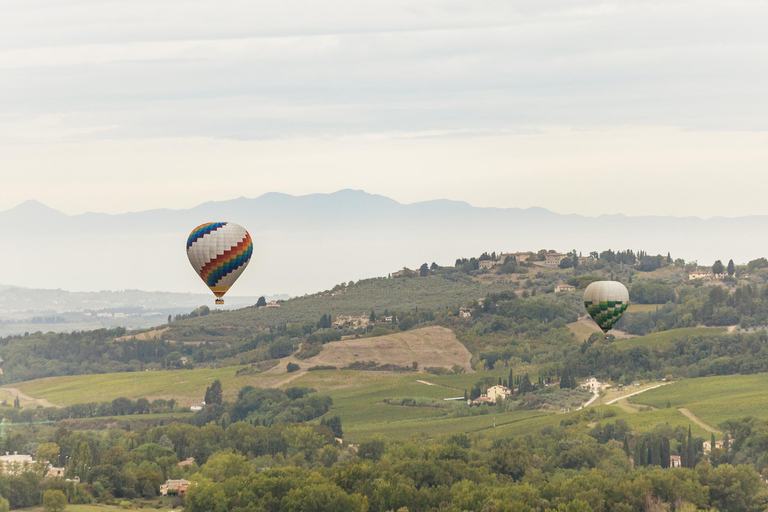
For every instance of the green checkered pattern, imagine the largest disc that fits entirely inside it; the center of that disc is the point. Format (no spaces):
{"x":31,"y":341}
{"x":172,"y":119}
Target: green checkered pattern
{"x":606,"y":314}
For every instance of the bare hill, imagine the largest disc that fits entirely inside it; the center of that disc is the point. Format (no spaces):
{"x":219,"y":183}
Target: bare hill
{"x":430,"y":346}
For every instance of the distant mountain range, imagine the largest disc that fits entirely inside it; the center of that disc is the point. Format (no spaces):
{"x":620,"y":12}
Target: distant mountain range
{"x":29,"y":310}
{"x":309,"y":243}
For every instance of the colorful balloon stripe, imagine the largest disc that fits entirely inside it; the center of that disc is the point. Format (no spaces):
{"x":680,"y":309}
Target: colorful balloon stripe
{"x":226,"y":263}
{"x":203,"y":230}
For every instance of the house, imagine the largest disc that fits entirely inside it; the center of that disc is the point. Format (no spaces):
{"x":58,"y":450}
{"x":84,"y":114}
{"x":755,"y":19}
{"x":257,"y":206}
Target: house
{"x":351,"y":321}
{"x":553,"y":259}
{"x":496,"y":393}
{"x":481,"y":400}
{"x":465,"y":312}
{"x":405,"y":272}
{"x":488,"y":263}
{"x":178,"y":487}
{"x":564,"y":288}
{"x":674,"y":461}
{"x":591,"y":384}
{"x":273,"y":304}
{"x":706,"y":447}
{"x":195,"y":408}
{"x":517,"y":257}
{"x":186,"y":463}
{"x":699,"y":274}
{"x":586,"y":259}
{"x":15,"y":464}
{"x":55,"y":472}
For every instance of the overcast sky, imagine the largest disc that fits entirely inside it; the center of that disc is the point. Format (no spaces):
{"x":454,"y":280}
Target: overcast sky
{"x":646,"y":107}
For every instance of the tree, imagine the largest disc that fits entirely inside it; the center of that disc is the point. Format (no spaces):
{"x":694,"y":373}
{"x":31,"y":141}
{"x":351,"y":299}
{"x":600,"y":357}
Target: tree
{"x":731,"y":268}
{"x":48,"y":452}
{"x":424,"y":270}
{"x":372,"y":449}
{"x":16,"y":403}
{"x":170,"y":319}
{"x":717,"y":267}
{"x":290,"y":368}
{"x":54,"y":501}
{"x":261,"y":302}
{"x":214,"y":393}
{"x":372,"y":318}
{"x":433,"y":266}
{"x":525,"y":385}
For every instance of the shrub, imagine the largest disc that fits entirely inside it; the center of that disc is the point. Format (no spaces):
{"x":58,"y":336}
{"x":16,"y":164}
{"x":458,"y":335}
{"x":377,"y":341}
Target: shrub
{"x":292,"y":367}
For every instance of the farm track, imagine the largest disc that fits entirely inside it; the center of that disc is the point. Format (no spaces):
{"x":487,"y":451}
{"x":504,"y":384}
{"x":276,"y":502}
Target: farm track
{"x":29,"y":398}
{"x":698,"y":421}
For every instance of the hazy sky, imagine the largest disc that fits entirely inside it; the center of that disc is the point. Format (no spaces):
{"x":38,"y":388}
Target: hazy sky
{"x":638,"y":107}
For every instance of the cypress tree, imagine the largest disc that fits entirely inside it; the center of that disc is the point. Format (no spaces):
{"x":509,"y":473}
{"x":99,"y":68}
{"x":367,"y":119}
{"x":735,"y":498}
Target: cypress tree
{"x":684,"y":454}
{"x":665,"y":452}
{"x":690,"y":453}
{"x":626,"y":445}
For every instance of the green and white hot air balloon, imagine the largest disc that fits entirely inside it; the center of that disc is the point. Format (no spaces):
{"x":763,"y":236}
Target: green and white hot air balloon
{"x":606,"y":301}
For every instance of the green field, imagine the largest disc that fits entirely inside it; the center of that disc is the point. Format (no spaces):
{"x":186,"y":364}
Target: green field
{"x":714,"y":399}
{"x":186,"y":386}
{"x":665,"y":339}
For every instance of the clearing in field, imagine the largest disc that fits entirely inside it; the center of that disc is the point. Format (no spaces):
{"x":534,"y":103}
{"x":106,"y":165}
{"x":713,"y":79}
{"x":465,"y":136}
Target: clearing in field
{"x":586,"y":327}
{"x":430,"y":347}
{"x":148,"y":335}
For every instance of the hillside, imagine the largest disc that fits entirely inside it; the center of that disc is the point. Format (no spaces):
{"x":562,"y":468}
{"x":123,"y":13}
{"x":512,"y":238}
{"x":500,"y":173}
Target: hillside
{"x":428,"y":347}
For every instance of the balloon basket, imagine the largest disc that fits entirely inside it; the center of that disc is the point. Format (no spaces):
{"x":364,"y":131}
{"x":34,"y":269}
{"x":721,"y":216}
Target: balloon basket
{"x":219,"y":301}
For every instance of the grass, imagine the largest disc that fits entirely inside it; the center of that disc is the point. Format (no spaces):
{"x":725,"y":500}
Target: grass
{"x":642,"y":308}
{"x":186,"y":386}
{"x":665,"y":339}
{"x":714,"y":399}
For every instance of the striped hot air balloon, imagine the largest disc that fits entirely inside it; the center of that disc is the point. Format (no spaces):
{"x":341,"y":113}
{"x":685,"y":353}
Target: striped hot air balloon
{"x":219,"y":252}
{"x":606,"y":301}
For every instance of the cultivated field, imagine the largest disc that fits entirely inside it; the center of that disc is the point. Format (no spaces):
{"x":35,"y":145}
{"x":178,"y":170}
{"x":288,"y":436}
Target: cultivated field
{"x":430,"y":346}
{"x":714,"y":399}
{"x":665,"y":339}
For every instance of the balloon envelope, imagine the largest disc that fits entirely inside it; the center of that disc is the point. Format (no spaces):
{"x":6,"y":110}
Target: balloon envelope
{"x":219,"y":252}
{"x":606,"y":301}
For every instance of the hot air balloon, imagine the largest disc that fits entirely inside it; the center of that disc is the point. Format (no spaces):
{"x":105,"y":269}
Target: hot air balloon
{"x":606,"y":301}
{"x":219,"y":252}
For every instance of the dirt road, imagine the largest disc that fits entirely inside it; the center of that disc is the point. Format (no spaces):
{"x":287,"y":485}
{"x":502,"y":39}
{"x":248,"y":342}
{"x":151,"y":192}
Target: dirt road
{"x":698,"y":421}
{"x":28,"y":398}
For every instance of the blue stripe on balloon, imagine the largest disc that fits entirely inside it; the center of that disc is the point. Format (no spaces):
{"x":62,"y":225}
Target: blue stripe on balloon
{"x":202,"y":231}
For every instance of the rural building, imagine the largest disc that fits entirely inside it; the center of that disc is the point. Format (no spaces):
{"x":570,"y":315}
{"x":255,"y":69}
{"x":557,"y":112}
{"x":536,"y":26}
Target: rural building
{"x":55,"y":472}
{"x":187,"y":462}
{"x":174,"y":487}
{"x":351,"y":321}
{"x":488,"y":263}
{"x":481,"y":400}
{"x":496,"y":393}
{"x":674,"y":461}
{"x":405,"y":272}
{"x":592,"y":384}
{"x":553,"y":259}
{"x":195,"y":408}
{"x":15,"y":464}
{"x":564,"y":288}
{"x":465,"y":312}
{"x":517,"y":257}
{"x":586,"y":259}
{"x":705,"y":275}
